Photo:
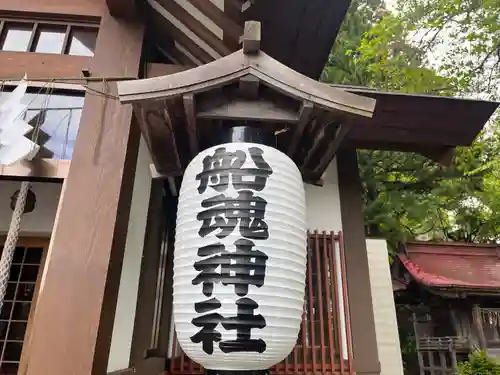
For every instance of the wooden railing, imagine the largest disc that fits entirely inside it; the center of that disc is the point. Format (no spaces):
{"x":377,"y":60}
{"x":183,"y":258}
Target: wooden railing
{"x":443,"y":343}
{"x":324,"y":342}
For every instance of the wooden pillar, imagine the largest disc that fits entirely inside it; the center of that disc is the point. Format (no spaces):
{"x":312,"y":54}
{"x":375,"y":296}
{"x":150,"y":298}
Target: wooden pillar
{"x":477,"y":323}
{"x":364,"y":342}
{"x":73,"y":320}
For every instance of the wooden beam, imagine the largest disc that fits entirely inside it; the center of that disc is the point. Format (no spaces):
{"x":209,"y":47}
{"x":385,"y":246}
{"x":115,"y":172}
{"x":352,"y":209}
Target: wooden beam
{"x":231,"y":29}
{"x":126,"y":9}
{"x":443,"y":156}
{"x":36,"y":169}
{"x":253,"y":110}
{"x":249,"y":87}
{"x":158,"y":132}
{"x":305,"y":113}
{"x":191,"y":127}
{"x":323,"y":124}
{"x":179,"y":36}
{"x":332,"y":149}
{"x":50,"y":65}
{"x":196,"y":27}
{"x":233,"y":13}
{"x":87,"y":245}
{"x":180,"y":57}
{"x":251,"y":37}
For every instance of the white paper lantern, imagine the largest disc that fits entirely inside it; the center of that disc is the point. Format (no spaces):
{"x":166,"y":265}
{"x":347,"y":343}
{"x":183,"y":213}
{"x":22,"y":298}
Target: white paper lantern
{"x":240,"y":257}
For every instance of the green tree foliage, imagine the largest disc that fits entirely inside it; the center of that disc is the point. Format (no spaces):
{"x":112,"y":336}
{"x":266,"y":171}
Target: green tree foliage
{"x":468,"y":31}
{"x":408,"y":196}
{"x":479,"y":363}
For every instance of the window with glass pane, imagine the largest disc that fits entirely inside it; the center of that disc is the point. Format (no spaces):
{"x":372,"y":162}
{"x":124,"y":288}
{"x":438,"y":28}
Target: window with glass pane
{"x":82,"y":41}
{"x":60,"y":121}
{"x":50,"y":39}
{"x":16,"y":37}
{"x":59,"y":118}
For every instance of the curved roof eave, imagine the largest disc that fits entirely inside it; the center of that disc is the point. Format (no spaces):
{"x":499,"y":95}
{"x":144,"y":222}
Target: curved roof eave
{"x":236,"y":65}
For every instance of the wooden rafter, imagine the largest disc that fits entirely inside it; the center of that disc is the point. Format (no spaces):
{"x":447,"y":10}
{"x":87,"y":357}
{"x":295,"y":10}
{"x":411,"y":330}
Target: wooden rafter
{"x":249,"y":110}
{"x":332,"y":149}
{"x":159,"y":136}
{"x":189,"y":109}
{"x":230,"y":28}
{"x":195,"y":26}
{"x":177,"y":56}
{"x":162,"y":22}
{"x":323,"y":123}
{"x":305,"y":113}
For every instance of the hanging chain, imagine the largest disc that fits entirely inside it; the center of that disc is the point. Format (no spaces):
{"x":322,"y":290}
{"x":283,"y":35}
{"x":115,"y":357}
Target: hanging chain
{"x":11,"y":241}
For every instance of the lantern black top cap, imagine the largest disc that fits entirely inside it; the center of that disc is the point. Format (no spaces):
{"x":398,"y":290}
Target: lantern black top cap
{"x":251,"y":134}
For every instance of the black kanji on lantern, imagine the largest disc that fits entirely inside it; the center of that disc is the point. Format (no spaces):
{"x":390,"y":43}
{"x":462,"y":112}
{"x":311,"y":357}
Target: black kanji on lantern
{"x":208,"y":305}
{"x":208,"y":333}
{"x":241,"y":268}
{"x":243,"y":323}
{"x":219,"y":167}
{"x":224,"y":213}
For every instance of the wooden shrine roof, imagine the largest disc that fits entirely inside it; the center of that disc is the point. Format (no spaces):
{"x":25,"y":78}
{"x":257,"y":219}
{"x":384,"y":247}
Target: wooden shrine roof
{"x":188,"y":109}
{"x":409,"y":122}
{"x":473,"y":268}
{"x":182,"y":113}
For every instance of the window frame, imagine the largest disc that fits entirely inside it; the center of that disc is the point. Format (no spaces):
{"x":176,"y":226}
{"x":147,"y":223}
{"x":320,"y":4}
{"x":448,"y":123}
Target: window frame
{"x":31,"y":242}
{"x":39,"y":23}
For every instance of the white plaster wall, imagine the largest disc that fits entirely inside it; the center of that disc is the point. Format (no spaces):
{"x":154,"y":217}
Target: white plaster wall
{"x":386,"y":326}
{"x":129,"y":284}
{"x":41,"y":220}
{"x":323,"y":203}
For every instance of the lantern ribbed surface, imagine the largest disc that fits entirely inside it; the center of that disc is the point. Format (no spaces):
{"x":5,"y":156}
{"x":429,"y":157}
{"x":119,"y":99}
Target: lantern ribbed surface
{"x":240,"y":257}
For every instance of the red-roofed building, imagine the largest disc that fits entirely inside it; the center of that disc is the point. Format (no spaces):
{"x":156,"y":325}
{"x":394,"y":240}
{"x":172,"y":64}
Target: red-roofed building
{"x":452,"y":290}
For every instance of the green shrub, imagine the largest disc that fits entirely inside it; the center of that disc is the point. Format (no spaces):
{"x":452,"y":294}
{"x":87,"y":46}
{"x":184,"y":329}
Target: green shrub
{"x":479,"y":363}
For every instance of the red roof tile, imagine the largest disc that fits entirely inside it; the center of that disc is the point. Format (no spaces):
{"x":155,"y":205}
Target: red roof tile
{"x":446,"y":265}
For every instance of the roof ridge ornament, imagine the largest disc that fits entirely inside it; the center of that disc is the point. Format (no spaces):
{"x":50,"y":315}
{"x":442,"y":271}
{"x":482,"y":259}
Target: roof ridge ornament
{"x":251,"y":37}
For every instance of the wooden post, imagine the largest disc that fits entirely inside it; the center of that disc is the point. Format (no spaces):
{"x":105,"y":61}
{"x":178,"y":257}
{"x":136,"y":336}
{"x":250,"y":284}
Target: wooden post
{"x":364,"y":341}
{"x":73,"y":320}
{"x":477,"y":322}
{"x":454,"y":364}
{"x":420,"y":355}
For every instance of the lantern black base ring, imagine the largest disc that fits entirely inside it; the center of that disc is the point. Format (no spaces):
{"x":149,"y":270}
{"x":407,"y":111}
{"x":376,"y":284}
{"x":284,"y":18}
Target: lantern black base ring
{"x":229,"y":372}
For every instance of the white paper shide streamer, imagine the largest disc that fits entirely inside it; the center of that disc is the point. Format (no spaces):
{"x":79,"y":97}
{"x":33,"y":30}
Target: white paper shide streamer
{"x":240,"y":257}
{"x":14,"y":146}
